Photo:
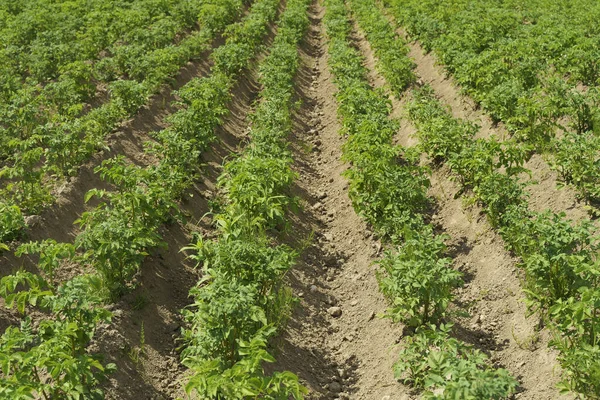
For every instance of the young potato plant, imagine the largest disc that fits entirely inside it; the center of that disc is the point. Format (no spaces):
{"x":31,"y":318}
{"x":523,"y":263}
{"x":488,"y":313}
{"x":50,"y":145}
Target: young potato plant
{"x":12,"y":222}
{"x":558,"y":256}
{"x":417,"y":277}
{"x":49,"y":359}
{"x":51,"y":254}
{"x":246,"y":378}
{"x":446,"y":368}
{"x":119,"y":233}
{"x":577,"y":160}
{"x":578,"y":319}
{"x":418,"y":280}
{"x":242,"y":301}
{"x":391,"y":51}
{"x":54,"y":133}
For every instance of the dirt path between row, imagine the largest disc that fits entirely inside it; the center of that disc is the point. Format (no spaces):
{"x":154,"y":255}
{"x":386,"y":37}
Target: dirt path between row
{"x":335,"y":341}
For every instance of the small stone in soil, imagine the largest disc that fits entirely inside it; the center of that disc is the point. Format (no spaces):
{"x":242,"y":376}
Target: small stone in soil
{"x":173,"y":327}
{"x":313,"y":288}
{"x":328,"y":237}
{"x":317,"y":205}
{"x":335,"y":387}
{"x":321,"y":195}
{"x":335,"y":312}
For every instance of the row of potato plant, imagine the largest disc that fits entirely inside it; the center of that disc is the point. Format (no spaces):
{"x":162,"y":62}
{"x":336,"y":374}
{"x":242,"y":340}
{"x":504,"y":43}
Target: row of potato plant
{"x":44,"y":143}
{"x":559,"y":257}
{"x":242,"y":300}
{"x":116,"y":237}
{"x":389,"y":189}
{"x":549,"y":97}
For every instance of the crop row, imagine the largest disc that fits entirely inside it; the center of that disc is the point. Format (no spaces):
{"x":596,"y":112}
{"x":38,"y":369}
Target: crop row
{"x":48,"y":357}
{"x":389,"y":189}
{"x":46,"y":136}
{"x":535,"y":67}
{"x":242,"y":300}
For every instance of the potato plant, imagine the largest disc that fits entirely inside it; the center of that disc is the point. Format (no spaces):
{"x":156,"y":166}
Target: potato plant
{"x":446,"y":368}
{"x":49,"y":359}
{"x":54,"y":133}
{"x":241,"y":301}
{"x":540,"y":95}
{"x":119,"y":233}
{"x":419,"y":280}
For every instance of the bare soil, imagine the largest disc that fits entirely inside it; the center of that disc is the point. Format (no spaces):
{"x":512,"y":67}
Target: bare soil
{"x":350,"y":355}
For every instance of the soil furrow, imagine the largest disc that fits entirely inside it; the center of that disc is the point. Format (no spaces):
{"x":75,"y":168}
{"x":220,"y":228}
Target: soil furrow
{"x":335,"y":341}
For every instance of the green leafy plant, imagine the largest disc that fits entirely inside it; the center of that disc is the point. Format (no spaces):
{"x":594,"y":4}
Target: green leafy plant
{"x":11,"y":222}
{"x":418,"y":280}
{"x":49,"y":359}
{"x":449,"y":369}
{"x":51,"y":254}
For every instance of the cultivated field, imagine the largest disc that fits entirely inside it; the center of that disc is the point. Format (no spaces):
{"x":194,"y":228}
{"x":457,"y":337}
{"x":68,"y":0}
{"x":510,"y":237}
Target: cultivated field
{"x":287,"y":199}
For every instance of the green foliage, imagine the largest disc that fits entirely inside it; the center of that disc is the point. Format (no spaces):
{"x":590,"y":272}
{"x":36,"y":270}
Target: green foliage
{"x":559,"y":257}
{"x":391,"y":51}
{"x":555,"y":254}
{"x":577,"y":160}
{"x":50,"y":253}
{"x":253,"y":186}
{"x":246,"y":378}
{"x":449,"y":369}
{"x":55,"y":71}
{"x":238,"y":294}
{"x":578,"y":340}
{"x":49,"y":358}
{"x":241,"y":300}
{"x":418,"y":280}
{"x":389,"y":189}
{"x":525,"y":65}
{"x":11,"y":222}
